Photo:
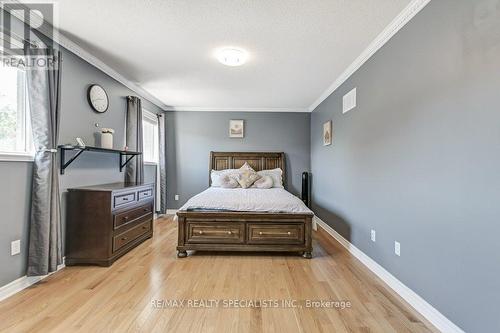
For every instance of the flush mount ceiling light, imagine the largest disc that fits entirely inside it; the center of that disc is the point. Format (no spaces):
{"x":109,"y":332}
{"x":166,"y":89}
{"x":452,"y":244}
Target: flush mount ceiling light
{"x":231,"y":56}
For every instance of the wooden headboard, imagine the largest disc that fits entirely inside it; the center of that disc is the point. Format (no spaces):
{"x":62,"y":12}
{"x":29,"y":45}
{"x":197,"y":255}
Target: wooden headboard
{"x":258,"y":161}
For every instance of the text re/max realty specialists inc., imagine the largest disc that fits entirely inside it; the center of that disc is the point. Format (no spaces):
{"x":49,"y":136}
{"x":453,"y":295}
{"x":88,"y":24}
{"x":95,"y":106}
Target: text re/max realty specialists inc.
{"x":249,"y":303}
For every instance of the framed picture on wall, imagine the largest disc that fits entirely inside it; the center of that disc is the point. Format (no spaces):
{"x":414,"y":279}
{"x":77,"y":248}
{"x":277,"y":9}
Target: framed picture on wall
{"x":327,"y":133}
{"x":236,"y":128}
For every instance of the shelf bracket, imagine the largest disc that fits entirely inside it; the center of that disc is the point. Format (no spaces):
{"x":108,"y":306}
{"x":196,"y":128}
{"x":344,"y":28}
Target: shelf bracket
{"x":129,"y":155}
{"x":122,"y":165}
{"x":64,"y":163}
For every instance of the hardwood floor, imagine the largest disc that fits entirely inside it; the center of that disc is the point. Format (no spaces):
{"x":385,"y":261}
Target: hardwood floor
{"x":120,"y":298}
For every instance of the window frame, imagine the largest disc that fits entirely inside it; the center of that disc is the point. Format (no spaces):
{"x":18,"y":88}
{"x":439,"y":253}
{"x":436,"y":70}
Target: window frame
{"x":26,"y":154}
{"x":152,"y":118}
{"x":148,"y":116}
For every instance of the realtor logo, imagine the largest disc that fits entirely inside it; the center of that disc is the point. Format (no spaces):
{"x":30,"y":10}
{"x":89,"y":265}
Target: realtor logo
{"x":17,"y":38}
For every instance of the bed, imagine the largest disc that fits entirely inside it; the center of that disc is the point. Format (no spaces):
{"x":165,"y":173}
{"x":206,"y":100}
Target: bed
{"x":264,"y":220}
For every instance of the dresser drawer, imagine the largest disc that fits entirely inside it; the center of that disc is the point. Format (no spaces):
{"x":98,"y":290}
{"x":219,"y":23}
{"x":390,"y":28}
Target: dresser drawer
{"x":215,"y":232}
{"x":275,"y":233}
{"x":145,"y":194}
{"x":130,"y":235}
{"x":122,"y":219}
{"x":123,"y":199}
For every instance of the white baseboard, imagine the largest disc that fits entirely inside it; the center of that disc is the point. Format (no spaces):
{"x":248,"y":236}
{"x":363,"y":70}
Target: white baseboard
{"x":315,"y":223}
{"x":171,"y":211}
{"x":418,"y":303}
{"x":22,"y":283}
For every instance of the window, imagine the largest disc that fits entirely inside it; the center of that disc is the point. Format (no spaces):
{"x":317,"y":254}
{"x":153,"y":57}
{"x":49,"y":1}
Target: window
{"x":150,"y":137}
{"x":15,"y":131}
{"x":151,"y":147}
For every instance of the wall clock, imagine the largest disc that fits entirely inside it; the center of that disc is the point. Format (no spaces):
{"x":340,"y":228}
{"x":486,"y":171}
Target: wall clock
{"x":98,"y":99}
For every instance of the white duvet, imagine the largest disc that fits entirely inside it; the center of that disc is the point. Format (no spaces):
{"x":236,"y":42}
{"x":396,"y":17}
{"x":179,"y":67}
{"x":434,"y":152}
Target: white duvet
{"x":276,"y":200}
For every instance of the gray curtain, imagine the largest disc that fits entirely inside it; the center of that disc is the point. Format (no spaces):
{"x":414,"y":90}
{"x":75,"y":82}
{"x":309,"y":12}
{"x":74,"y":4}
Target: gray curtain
{"x":45,"y":240}
{"x":162,"y":167}
{"x":134,"y":171}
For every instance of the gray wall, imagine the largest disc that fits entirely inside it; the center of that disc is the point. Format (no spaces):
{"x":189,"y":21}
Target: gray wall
{"x":192,"y":135}
{"x":15,"y":194}
{"x":418,"y":159}
{"x":77,"y":120}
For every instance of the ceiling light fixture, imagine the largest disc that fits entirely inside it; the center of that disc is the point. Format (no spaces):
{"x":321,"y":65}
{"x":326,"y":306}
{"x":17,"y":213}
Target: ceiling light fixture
{"x":231,"y":56}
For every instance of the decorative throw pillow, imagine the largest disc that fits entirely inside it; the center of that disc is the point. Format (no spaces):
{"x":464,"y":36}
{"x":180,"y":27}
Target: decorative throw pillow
{"x":275,"y":174}
{"x":246,"y":166}
{"x":264,"y":182}
{"x":247,"y":178}
{"x":228,"y":181}
{"x":217,"y":175}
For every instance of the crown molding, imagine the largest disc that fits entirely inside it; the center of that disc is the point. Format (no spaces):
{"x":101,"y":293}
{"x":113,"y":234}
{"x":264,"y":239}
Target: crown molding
{"x":236,"y":109}
{"x":80,"y":52}
{"x":74,"y":48}
{"x":399,"y":22}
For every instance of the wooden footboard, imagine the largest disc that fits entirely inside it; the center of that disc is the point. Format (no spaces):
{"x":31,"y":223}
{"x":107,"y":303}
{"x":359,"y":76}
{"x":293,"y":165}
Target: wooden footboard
{"x":244,"y":231}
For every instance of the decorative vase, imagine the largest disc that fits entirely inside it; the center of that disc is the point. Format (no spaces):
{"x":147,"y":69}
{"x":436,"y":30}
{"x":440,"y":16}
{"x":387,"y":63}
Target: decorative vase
{"x":107,"y":140}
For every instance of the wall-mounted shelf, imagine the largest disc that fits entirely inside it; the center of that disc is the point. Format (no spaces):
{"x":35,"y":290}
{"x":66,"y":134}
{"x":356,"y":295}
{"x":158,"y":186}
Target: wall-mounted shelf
{"x":125,"y":155}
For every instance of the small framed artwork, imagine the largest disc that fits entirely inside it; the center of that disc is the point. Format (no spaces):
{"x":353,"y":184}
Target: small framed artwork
{"x":236,"y":128}
{"x":327,"y":133}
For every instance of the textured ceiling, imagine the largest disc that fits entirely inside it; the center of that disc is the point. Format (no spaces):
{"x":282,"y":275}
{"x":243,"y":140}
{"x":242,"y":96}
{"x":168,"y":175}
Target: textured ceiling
{"x":297,"y":48}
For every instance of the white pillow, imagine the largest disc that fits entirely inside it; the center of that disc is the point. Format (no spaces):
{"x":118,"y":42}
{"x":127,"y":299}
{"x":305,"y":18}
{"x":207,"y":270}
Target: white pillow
{"x":275,"y":174}
{"x":263,"y":183}
{"x":229,"y":182}
{"x":217,"y":175}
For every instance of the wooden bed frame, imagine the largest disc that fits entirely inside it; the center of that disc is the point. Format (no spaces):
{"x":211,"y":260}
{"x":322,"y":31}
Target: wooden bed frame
{"x":245,"y":231}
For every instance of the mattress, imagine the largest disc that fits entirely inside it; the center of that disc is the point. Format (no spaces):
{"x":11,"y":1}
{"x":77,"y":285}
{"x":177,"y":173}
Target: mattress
{"x":273,"y":200}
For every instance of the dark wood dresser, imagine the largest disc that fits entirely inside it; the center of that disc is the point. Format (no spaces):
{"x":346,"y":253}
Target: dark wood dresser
{"x":106,"y":221}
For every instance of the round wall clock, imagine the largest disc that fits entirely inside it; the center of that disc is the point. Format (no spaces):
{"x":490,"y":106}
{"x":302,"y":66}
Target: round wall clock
{"x":98,"y":99}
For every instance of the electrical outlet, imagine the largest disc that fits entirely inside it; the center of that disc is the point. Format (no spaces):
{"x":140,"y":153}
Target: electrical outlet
{"x":176,"y":197}
{"x":397,"y":248}
{"x":373,"y":236}
{"x":15,"y":247}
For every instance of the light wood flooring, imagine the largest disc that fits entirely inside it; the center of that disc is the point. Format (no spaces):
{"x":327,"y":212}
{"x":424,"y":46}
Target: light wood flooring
{"x":120,"y":298}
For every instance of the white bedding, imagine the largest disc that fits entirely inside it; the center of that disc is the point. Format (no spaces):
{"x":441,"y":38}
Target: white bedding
{"x":275,"y":200}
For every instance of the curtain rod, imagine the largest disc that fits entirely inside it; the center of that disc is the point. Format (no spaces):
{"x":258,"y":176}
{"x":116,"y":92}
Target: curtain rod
{"x":18,"y":38}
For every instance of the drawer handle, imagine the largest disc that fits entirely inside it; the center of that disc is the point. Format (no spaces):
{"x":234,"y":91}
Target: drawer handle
{"x":229,"y":232}
{"x":125,"y":218}
{"x":288,"y":233}
{"x":144,"y":227}
{"x":146,"y":210}
{"x":200,"y":232}
{"x":124,"y":238}
{"x":125,"y":199}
